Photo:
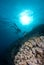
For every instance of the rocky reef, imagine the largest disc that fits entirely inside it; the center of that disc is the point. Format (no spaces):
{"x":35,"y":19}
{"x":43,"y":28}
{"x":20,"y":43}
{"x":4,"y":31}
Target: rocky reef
{"x":28,"y":50}
{"x":31,"y":52}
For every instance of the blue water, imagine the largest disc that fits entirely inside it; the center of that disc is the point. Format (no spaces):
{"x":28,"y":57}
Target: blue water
{"x":9,"y":11}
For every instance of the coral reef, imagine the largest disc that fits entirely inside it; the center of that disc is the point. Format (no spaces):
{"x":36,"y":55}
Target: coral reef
{"x":31,"y":52}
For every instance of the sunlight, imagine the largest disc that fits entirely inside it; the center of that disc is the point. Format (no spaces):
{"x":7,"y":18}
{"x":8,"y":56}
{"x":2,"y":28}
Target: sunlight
{"x":26,"y":17}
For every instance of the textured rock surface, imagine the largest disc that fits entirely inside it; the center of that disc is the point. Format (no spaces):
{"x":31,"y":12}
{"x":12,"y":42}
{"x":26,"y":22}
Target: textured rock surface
{"x":31,"y":52}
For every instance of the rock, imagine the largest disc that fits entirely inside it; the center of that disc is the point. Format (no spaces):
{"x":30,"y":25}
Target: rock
{"x":31,"y":53}
{"x":39,"y":50}
{"x":32,"y":42}
{"x":22,"y":63}
{"x":39,"y":61}
{"x":26,"y":43}
{"x":30,"y":45}
{"x":42,"y":38}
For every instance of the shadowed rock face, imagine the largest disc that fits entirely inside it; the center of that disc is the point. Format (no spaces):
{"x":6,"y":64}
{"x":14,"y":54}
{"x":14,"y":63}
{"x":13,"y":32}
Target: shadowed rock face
{"x":32,"y":44}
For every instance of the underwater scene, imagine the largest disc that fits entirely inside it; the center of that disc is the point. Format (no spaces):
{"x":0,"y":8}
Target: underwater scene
{"x":21,"y":32}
